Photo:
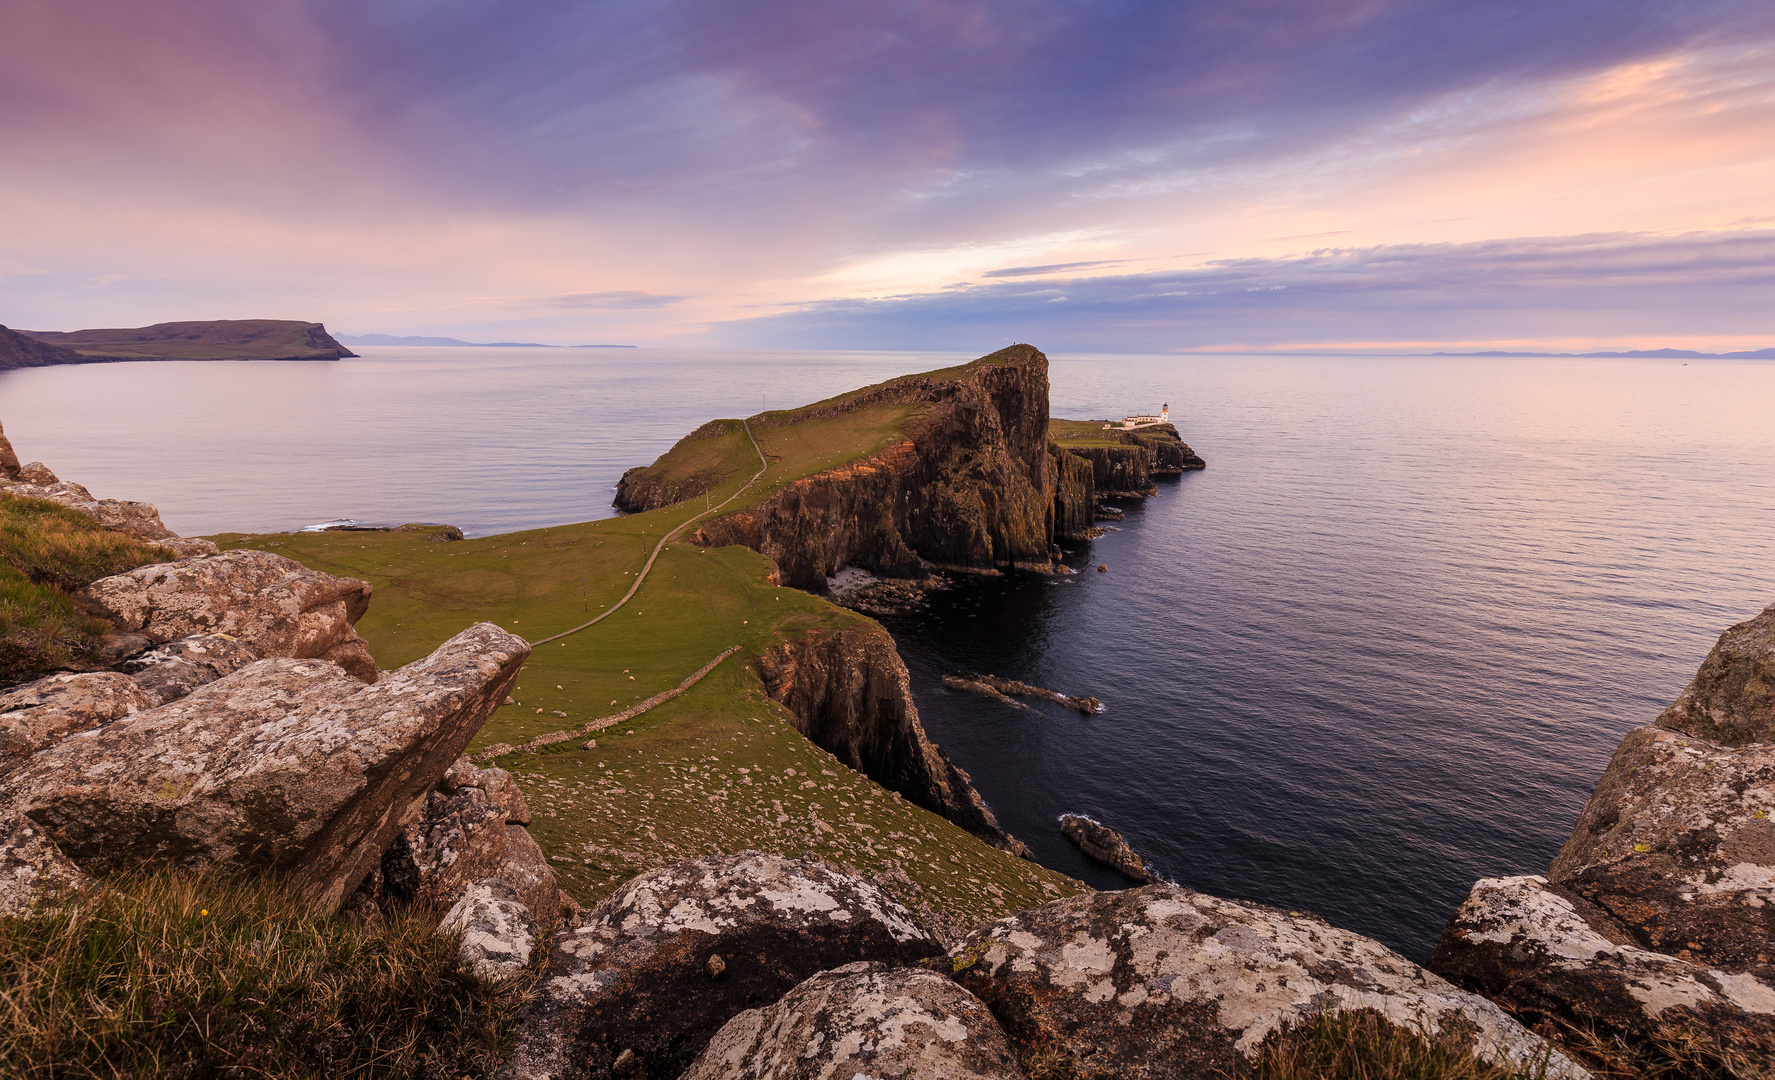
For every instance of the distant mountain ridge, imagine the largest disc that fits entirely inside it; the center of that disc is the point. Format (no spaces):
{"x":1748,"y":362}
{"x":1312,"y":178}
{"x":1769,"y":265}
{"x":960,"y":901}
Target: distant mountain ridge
{"x":458,"y":343}
{"x":1635,"y":354}
{"x":216,"y":339}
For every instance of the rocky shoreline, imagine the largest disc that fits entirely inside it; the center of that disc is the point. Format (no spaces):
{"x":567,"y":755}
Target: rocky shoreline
{"x":236,"y":721}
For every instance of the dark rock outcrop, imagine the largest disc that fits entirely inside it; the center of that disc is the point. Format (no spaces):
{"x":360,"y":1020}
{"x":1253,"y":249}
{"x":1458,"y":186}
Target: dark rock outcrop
{"x":1075,"y":494}
{"x":1160,"y":981}
{"x":1658,"y":914}
{"x":272,"y":605}
{"x":851,"y":695}
{"x":1005,"y":689}
{"x":637,"y":984}
{"x":22,"y":351}
{"x":286,"y":765}
{"x":969,"y":482}
{"x":1103,"y":844}
{"x":863,"y":1020}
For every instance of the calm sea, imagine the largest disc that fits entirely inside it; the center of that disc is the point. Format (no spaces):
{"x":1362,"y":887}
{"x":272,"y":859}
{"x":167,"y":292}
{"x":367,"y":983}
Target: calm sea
{"x":1381,"y":647}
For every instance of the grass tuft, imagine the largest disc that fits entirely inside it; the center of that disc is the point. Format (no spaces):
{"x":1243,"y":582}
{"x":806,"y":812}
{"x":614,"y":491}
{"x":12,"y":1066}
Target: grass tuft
{"x":1363,"y":1045}
{"x":185,"y":975}
{"x":47,"y":551}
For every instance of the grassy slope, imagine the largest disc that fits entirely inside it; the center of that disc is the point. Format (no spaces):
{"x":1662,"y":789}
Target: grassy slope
{"x":708,"y":772}
{"x":222,"y":339}
{"x":1081,"y":433}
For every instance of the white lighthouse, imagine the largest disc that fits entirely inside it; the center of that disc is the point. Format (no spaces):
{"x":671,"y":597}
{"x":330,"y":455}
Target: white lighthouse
{"x":1146,"y":419}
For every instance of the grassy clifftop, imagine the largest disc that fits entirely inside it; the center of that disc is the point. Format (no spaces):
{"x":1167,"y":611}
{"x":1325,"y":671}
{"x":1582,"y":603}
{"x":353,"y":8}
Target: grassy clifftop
{"x":221,"y":339}
{"x":720,"y":768}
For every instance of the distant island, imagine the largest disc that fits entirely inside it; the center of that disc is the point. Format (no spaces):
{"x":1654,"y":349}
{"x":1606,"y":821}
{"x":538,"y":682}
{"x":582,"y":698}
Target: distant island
{"x":1634,"y":354}
{"x":458,"y":343}
{"x":220,"y":339}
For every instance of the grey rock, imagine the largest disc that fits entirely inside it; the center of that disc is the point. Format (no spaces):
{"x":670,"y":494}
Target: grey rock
{"x":863,"y":1019}
{"x":1731,"y":700}
{"x":465,"y":833}
{"x":178,"y":667}
{"x":1103,"y":844}
{"x":272,"y":605}
{"x":33,"y":871}
{"x":635,"y":977}
{"x":1548,"y":955}
{"x":498,"y":934}
{"x":1161,"y":981}
{"x":40,"y":714}
{"x":285,"y":765}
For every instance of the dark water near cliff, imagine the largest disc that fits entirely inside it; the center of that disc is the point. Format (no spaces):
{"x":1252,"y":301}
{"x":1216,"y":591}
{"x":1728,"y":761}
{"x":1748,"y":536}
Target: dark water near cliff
{"x":1381,"y":647}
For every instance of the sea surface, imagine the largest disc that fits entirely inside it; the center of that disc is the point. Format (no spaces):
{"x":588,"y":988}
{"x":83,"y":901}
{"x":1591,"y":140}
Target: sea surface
{"x":1383,"y":646}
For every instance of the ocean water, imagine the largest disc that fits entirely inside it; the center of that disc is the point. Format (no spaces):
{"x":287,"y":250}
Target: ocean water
{"x":1381,"y":647}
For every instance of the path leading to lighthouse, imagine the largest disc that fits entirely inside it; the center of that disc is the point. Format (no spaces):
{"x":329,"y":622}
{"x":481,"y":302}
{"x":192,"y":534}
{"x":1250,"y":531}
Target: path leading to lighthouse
{"x":764,"y":466}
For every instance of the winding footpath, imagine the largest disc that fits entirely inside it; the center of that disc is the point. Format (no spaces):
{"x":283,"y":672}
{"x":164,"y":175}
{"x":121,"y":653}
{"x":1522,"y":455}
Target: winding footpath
{"x":764,"y":466}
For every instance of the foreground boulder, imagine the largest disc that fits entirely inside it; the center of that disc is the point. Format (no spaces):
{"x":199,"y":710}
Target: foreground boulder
{"x":40,"y":714}
{"x":469,"y":833}
{"x":673,"y":955}
{"x":273,"y":605}
{"x":1550,"y":957}
{"x":33,"y":871}
{"x":863,"y":1019}
{"x":1657,"y":918}
{"x":498,"y":932}
{"x":285,"y":765}
{"x":1160,"y":981}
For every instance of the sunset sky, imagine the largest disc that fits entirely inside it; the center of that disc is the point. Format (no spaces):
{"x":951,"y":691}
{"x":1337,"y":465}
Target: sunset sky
{"x":1099,"y":176}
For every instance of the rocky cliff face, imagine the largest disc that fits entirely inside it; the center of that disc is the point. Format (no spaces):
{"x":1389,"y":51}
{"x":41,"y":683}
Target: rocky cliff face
{"x":851,"y":695}
{"x":1127,"y":470}
{"x":19,"y":351}
{"x":969,"y":484}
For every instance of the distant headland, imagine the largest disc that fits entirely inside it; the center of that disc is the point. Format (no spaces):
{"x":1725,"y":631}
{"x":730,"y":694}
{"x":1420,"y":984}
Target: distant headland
{"x":219,"y":339}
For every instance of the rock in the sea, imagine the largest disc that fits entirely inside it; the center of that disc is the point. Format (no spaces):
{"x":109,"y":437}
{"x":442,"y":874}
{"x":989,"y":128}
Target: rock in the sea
{"x":1548,"y":955}
{"x":498,"y":933}
{"x":863,"y":1020}
{"x":636,"y":978}
{"x":33,"y":871}
{"x":273,"y":605}
{"x":285,"y":765}
{"x":40,"y":714}
{"x":1103,"y":844}
{"x":1160,"y":981}
{"x":176,"y":668}
{"x":1731,"y":700}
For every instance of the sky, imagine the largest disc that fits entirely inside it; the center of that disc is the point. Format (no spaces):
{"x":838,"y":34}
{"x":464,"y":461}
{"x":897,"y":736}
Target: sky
{"x":1086,"y":175}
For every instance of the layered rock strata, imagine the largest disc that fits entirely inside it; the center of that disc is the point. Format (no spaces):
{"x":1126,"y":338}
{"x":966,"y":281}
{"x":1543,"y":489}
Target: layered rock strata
{"x":863,"y":1020}
{"x":968,"y":483}
{"x":851,"y":695}
{"x":286,"y":765}
{"x":659,"y":966}
{"x":1658,"y":914}
{"x":1160,"y":981}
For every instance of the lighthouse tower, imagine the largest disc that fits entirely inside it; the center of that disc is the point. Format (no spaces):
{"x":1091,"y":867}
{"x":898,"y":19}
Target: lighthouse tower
{"x":1165,"y":413}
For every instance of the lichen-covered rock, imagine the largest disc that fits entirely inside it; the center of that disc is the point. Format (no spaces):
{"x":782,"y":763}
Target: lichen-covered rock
{"x":285,"y":765}
{"x":498,"y":933}
{"x":33,"y":871}
{"x":636,"y":976}
{"x":863,"y":1019}
{"x":39,"y":714}
{"x":273,"y":605}
{"x":1731,"y":700}
{"x":176,"y":668}
{"x":1161,"y":981}
{"x":1547,"y":954}
{"x":524,"y":867}
{"x":1103,"y":844}
{"x":1677,"y":843}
